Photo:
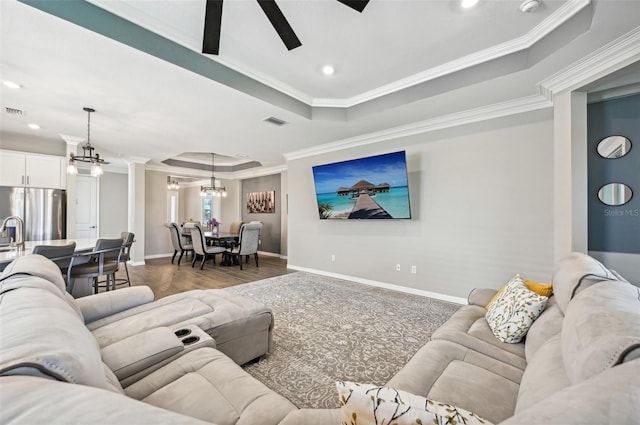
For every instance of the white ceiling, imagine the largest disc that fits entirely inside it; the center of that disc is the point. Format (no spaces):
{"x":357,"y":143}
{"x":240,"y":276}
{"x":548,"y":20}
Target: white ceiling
{"x":398,"y":63}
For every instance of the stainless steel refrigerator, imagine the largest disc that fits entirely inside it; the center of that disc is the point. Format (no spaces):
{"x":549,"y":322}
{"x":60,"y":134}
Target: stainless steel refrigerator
{"x":44,"y":212}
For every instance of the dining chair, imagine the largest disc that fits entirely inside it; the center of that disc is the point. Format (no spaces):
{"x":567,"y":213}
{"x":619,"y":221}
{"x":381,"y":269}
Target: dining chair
{"x":104,"y":260}
{"x":248,"y":242}
{"x":201,"y":249}
{"x":128,"y":238}
{"x":59,"y":254}
{"x":177,"y":243}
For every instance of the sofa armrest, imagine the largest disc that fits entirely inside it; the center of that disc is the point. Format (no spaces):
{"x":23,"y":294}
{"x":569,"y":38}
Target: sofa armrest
{"x":99,"y":306}
{"x":481,"y":296}
{"x":139,"y":352}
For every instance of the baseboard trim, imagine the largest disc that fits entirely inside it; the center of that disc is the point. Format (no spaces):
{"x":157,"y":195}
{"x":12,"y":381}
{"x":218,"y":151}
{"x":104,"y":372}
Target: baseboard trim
{"x":428,"y":294}
{"x":151,"y":257}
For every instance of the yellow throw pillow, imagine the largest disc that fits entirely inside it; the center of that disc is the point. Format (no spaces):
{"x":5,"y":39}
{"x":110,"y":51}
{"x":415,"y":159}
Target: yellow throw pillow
{"x":544,"y":289}
{"x":494,"y":298}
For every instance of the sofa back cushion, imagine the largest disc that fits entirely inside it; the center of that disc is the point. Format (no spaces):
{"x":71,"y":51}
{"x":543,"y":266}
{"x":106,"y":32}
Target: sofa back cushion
{"x":36,"y":265}
{"x":42,"y":335}
{"x":17,"y":274}
{"x":547,"y":325}
{"x":544,"y":375}
{"x":575,"y":273}
{"x":601,"y":329}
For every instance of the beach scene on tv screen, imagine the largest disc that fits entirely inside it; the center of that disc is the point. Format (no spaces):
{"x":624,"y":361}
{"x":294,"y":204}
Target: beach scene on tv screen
{"x":374,"y":187}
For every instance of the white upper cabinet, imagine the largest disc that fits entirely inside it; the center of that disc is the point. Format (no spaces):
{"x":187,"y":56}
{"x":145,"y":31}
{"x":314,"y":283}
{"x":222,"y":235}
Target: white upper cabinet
{"x":32,"y":170}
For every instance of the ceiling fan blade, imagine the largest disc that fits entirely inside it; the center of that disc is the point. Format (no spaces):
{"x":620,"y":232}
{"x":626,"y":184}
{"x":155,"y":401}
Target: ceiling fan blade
{"x":212,"y":24}
{"x":357,"y":5}
{"x":280,"y":24}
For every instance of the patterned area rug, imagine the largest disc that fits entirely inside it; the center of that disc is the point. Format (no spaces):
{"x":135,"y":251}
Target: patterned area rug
{"x":330,"y":329}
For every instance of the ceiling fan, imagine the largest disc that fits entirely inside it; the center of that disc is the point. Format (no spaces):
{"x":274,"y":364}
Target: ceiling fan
{"x":213,"y":22}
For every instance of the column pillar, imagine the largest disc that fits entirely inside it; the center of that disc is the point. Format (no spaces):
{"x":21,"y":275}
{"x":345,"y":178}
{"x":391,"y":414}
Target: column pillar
{"x":570,"y":173}
{"x":71,"y":187}
{"x":136,"y":210}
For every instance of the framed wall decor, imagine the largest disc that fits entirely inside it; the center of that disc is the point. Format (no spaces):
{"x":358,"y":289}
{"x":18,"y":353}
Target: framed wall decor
{"x":261,"y":202}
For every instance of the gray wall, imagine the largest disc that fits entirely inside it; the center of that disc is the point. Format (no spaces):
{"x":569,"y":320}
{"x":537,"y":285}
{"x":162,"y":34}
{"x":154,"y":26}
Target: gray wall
{"x":158,"y":241}
{"x":482,"y":211}
{"x":614,"y":231}
{"x":113,"y":204}
{"x":271,"y":232}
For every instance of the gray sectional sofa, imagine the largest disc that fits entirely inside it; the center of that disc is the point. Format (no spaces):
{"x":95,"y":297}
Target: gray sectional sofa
{"x":579,"y":364}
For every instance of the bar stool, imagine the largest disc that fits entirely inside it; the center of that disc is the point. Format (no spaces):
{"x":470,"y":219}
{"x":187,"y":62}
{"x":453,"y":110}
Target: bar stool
{"x":59,"y":254}
{"x":104,"y":260}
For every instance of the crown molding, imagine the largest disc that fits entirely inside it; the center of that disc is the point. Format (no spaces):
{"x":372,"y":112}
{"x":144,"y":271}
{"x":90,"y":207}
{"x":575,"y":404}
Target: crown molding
{"x":71,"y":140}
{"x":621,"y":52}
{"x":498,"y":110}
{"x":559,"y":17}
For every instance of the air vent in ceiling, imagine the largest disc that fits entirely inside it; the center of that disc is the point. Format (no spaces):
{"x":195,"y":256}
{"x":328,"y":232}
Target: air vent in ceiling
{"x":276,"y":121}
{"x":14,"y":111}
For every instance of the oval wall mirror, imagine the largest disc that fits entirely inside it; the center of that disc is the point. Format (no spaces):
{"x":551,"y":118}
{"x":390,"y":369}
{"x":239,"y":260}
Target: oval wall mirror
{"x":614,"y":147}
{"x":615,"y":194}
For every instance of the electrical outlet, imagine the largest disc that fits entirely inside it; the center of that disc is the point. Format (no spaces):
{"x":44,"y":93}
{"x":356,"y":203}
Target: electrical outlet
{"x":333,"y":258}
{"x":397,"y":267}
{"x":414,"y":270}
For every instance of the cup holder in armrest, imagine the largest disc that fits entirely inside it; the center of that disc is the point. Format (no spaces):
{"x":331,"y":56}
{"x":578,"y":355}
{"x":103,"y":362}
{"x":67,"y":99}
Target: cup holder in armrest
{"x":182,"y":332}
{"x":190,"y":340}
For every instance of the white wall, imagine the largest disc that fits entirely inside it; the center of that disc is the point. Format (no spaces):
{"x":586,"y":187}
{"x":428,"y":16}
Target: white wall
{"x":482,"y":210}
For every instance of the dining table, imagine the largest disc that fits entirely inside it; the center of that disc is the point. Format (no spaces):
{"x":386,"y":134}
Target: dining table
{"x":224,"y":239}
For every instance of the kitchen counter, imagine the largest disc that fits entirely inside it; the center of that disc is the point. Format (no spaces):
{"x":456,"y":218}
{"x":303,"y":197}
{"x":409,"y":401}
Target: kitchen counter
{"x":8,"y":256}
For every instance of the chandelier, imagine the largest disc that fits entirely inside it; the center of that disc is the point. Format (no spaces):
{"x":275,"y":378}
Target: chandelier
{"x":213,"y":190}
{"x":172,"y":184}
{"x":87,"y":153}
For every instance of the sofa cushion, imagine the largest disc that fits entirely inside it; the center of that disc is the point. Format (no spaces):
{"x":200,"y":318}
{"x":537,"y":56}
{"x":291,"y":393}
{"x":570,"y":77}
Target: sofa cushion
{"x":468,"y":327}
{"x":453,"y":374}
{"x":240,"y":326}
{"x":18,"y":274}
{"x":367,"y":404}
{"x":36,"y":265}
{"x":41,"y":335}
{"x":511,"y":314}
{"x":545,"y":374}
{"x":30,"y":400}
{"x":601,"y":329}
{"x":574,"y":273}
{"x":610,"y":397}
{"x":209,"y":386}
{"x":547,"y":325}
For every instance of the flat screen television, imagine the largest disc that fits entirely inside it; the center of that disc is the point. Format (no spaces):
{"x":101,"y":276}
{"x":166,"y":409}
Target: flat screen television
{"x":373,"y":187}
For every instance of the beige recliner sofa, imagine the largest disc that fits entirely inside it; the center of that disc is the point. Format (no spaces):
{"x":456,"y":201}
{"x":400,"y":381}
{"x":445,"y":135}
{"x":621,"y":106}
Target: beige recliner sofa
{"x":135,"y":362}
{"x":579,"y":363}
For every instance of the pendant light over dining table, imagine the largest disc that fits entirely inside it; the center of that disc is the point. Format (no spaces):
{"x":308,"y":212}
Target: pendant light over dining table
{"x":213,"y":190}
{"x":87,"y":153}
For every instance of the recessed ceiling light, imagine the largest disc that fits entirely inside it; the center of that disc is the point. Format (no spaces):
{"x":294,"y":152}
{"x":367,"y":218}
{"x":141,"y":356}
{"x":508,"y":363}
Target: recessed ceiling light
{"x":529,"y":6}
{"x":468,"y":3}
{"x":11,"y":84}
{"x":328,"y":70}
{"x":33,"y":126}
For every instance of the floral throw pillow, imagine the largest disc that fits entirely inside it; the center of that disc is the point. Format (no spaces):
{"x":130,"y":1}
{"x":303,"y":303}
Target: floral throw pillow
{"x":366,"y":404}
{"x":510,"y":316}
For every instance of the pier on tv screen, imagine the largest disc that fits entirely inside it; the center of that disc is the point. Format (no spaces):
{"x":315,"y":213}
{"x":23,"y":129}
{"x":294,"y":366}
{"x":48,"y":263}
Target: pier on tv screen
{"x":374,"y":187}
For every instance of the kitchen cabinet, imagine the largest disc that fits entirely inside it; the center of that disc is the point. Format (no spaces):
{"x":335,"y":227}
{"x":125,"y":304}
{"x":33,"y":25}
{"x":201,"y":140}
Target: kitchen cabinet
{"x":32,"y":170}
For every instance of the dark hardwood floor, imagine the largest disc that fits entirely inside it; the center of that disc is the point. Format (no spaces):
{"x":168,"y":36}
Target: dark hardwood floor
{"x":165,"y":278}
